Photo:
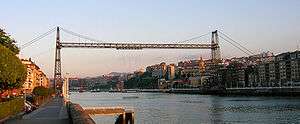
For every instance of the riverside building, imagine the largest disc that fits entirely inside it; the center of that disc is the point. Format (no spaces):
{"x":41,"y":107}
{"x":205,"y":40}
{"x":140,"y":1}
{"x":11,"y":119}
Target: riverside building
{"x":282,"y":70}
{"x":35,"y":77}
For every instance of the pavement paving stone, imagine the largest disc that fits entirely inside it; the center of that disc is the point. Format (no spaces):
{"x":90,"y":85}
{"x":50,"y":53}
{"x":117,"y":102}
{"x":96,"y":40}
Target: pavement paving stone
{"x":55,"y":112}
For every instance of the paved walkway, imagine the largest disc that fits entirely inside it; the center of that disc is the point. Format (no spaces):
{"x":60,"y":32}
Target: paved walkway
{"x":54,"y":112}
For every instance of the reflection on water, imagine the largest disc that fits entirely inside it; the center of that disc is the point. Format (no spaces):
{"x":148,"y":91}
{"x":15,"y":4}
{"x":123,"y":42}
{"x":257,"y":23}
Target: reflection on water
{"x":216,"y":111}
{"x":130,"y":97}
{"x":163,"y":108}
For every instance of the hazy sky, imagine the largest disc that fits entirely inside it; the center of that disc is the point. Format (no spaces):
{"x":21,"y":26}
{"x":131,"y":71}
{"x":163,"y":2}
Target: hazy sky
{"x":260,"y":25}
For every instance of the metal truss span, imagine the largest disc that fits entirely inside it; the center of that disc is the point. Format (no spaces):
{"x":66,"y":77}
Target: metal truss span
{"x":138,"y":46}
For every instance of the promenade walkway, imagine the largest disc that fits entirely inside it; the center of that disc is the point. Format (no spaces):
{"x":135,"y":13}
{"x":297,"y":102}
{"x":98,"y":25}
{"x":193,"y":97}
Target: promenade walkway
{"x":55,"y":112}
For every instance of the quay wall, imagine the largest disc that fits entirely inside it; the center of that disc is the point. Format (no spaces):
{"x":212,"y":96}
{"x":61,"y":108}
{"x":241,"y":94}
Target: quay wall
{"x":264,"y":91}
{"x":77,"y":114}
{"x":237,"y":91}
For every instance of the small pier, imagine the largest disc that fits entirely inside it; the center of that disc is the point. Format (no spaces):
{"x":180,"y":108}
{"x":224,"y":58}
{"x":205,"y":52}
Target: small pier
{"x":124,"y":116}
{"x":104,"y":110}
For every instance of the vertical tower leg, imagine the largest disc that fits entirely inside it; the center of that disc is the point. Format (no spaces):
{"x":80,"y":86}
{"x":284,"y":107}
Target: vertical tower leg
{"x":57,"y":68}
{"x":215,"y":50}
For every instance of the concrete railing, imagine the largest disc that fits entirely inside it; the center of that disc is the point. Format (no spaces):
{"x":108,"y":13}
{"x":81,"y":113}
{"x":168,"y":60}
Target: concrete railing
{"x":78,"y":115}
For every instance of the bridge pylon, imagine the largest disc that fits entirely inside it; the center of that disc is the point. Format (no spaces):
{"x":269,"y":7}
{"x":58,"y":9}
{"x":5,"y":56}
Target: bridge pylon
{"x":57,"y":69}
{"x":215,"y":48}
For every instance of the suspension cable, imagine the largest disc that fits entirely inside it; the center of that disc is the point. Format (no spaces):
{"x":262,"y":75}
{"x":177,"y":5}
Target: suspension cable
{"x":193,"y":38}
{"x":37,"y":38}
{"x":41,"y":53}
{"x":79,"y":35}
{"x":237,"y":43}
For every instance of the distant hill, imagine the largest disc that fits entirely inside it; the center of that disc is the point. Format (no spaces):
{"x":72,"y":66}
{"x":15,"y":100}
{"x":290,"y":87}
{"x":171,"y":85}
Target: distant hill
{"x":117,"y":74}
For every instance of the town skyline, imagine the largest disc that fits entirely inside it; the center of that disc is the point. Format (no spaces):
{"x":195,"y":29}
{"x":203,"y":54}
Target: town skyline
{"x":275,"y":30}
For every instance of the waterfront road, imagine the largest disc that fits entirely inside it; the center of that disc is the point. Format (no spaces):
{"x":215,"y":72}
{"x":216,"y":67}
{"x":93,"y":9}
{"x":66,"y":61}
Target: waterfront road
{"x":55,"y":112}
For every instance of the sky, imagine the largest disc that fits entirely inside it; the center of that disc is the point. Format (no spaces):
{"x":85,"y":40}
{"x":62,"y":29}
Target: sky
{"x":259,"y":25}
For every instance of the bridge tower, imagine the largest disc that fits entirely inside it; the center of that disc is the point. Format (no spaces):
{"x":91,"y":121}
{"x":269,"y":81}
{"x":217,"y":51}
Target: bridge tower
{"x":57,"y":69}
{"x":215,"y":49}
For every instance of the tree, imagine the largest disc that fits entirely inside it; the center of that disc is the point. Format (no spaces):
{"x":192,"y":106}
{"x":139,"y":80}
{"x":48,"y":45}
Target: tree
{"x":12,"y":71}
{"x":8,"y":42}
{"x":144,"y":81}
{"x":41,"y":91}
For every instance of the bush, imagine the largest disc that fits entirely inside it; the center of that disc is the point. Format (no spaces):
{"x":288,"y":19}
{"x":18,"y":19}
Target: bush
{"x":11,"y":107}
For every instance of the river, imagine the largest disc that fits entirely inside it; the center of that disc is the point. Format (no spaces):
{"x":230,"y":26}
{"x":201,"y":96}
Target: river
{"x":164,"y":108}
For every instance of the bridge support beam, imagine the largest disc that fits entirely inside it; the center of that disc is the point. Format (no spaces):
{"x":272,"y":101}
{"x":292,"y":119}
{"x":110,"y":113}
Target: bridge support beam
{"x":57,"y":69}
{"x":215,"y":50}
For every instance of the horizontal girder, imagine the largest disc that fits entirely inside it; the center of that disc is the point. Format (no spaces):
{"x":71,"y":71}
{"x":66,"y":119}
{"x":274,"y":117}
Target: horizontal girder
{"x":138,"y":46}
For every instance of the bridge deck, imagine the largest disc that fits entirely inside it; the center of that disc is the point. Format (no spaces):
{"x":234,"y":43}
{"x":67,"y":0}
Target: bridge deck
{"x":138,"y":46}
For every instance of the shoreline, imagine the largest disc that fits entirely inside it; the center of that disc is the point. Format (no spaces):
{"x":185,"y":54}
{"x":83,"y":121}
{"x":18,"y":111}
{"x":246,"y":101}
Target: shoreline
{"x":290,"y":92}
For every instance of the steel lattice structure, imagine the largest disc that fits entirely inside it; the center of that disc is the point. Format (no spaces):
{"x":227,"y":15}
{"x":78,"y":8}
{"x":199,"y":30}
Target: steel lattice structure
{"x":214,"y":46}
{"x":138,"y":46}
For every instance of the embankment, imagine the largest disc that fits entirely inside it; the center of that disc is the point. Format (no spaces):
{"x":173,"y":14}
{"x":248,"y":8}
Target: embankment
{"x":78,"y":115}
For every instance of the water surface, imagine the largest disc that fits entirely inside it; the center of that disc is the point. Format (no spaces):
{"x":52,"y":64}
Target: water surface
{"x":163,"y":108}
